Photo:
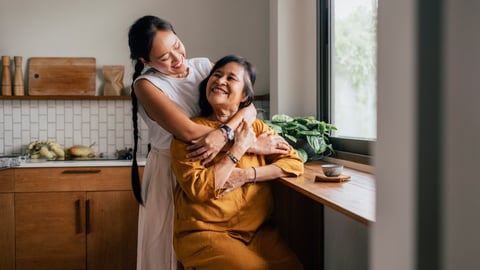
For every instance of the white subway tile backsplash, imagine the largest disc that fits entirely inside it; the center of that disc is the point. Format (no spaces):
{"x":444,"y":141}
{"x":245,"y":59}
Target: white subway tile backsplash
{"x":42,"y":135}
{"x":60,"y":121}
{"x":42,"y":121}
{"x":25,"y":109}
{"x":42,"y":107}
{"x":2,"y":114}
{"x":85,"y":114}
{"x":51,"y":131}
{"x":68,"y":129}
{"x":51,"y":114}
{"x":106,"y":122}
{"x":8,"y":123}
{"x":33,"y":115}
{"x":17,"y":128}
{"x":110,"y":122}
{"x":17,"y":114}
{"x":33,"y":131}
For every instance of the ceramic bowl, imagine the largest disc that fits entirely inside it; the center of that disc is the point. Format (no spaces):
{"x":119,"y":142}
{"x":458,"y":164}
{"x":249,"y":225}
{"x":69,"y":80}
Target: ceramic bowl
{"x":332,"y":170}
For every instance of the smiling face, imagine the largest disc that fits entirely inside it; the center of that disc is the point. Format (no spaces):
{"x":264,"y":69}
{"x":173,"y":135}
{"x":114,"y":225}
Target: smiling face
{"x":167,"y":54}
{"x":225,"y":89}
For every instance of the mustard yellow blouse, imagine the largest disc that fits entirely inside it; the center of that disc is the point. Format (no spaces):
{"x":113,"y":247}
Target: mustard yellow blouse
{"x":242,"y":210}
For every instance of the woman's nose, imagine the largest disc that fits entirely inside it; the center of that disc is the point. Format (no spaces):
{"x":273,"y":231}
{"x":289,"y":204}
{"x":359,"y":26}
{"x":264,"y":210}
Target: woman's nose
{"x":221,"y":80}
{"x":176,"y":57}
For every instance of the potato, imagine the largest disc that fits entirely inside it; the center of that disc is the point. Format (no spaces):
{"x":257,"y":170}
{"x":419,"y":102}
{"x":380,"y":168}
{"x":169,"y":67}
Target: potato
{"x":80,"y":151}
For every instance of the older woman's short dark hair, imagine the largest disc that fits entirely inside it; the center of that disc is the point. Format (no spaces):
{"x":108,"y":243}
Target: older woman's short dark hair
{"x":250,"y":76}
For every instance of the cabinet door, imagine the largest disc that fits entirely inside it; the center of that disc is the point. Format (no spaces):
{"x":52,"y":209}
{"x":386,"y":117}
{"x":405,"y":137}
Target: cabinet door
{"x":7,"y":232}
{"x":111,"y":230}
{"x":50,"y":231}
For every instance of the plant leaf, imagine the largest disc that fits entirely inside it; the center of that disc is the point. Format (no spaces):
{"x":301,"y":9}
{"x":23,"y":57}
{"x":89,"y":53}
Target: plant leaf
{"x":290,"y":137}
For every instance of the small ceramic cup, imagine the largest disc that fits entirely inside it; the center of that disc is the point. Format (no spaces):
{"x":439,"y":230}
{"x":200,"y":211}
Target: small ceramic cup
{"x":332,"y":170}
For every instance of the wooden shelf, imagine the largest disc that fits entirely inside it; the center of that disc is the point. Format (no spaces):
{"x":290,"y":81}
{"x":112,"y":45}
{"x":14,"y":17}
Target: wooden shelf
{"x":65,"y":97}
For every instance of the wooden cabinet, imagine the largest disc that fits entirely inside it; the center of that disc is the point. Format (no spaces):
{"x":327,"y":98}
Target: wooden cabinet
{"x":7,"y":222}
{"x":75,"y":218}
{"x":48,"y":233}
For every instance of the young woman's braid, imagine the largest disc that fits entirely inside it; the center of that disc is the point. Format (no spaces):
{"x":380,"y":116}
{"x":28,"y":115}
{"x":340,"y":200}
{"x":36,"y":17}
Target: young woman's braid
{"x":135,"y":173}
{"x":140,"y":38}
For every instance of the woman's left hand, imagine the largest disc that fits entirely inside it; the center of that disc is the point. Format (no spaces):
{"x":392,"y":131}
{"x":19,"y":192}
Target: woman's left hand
{"x":207,"y":147}
{"x":268,"y":143}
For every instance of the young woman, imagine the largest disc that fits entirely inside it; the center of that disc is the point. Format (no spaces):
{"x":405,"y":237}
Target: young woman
{"x":165,"y":94}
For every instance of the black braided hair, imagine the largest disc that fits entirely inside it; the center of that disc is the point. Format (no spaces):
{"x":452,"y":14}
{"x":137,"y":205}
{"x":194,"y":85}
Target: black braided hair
{"x":135,"y":173}
{"x":140,"y":38}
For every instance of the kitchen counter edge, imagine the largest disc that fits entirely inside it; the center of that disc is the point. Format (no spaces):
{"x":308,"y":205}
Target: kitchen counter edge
{"x":83,"y":163}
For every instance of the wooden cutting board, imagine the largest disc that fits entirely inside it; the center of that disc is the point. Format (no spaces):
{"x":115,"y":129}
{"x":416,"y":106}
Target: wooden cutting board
{"x":72,"y":76}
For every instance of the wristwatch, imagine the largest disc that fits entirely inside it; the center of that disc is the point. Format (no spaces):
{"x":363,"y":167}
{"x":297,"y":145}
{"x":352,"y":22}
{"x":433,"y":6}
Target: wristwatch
{"x":229,"y":131}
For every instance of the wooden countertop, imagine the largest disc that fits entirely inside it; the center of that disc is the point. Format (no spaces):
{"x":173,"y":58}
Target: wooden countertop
{"x":354,"y":198}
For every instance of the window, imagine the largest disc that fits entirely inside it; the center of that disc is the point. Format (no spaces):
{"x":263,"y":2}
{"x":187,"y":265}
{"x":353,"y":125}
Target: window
{"x":347,"y":31}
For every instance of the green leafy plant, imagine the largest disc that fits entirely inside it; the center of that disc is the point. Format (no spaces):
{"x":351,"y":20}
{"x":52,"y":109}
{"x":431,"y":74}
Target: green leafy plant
{"x":306,"y":134}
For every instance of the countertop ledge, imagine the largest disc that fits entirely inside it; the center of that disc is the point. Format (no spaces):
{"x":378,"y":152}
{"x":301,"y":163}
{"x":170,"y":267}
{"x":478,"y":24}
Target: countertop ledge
{"x":354,"y":198}
{"x":82,"y":163}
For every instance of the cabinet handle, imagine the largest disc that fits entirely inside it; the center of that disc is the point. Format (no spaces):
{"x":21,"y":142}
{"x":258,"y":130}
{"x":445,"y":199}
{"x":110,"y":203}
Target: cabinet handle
{"x":78,"y":217}
{"x":81,"y":171}
{"x":87,"y":216}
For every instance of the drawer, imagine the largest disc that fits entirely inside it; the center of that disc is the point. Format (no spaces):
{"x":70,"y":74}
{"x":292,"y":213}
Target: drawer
{"x":73,"y":179}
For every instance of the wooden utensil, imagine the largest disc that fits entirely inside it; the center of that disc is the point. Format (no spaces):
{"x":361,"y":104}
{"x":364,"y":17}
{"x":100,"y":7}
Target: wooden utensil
{"x":18,"y":89}
{"x":6,"y":76}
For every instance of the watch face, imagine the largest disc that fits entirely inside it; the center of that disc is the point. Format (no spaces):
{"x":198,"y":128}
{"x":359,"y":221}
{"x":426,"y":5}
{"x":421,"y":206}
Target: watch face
{"x":230,"y":133}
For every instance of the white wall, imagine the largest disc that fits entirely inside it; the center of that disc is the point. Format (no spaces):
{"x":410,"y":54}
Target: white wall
{"x":293,"y":64}
{"x":68,"y":28}
{"x":461,"y":190}
{"x":393,"y":242}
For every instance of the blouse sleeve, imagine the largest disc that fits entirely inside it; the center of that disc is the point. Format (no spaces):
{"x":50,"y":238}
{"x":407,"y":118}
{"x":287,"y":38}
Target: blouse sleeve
{"x":196,"y":180}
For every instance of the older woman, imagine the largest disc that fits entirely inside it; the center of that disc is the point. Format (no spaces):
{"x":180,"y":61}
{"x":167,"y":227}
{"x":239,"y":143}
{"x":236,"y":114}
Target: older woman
{"x":223,"y":209}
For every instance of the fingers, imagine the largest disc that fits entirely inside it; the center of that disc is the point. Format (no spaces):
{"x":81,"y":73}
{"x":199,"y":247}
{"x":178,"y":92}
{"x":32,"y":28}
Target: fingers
{"x":204,"y":156}
{"x":266,"y":133}
{"x":208,"y":159}
{"x":197,"y":154}
{"x":280,"y":151}
{"x":282,"y":146}
{"x":195,"y":144}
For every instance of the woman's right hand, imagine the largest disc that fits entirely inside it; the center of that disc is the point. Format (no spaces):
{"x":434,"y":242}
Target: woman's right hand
{"x":206,"y":147}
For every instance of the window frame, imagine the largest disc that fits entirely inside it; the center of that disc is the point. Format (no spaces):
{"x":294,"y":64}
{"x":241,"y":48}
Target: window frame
{"x":356,"y":150}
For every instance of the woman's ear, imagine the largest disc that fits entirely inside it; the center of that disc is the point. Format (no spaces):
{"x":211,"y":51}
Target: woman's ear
{"x":245,"y":97}
{"x":141,"y":59}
